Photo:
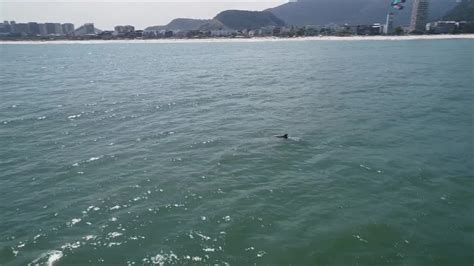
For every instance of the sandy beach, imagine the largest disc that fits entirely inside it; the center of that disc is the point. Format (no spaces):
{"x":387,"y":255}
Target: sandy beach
{"x":260,"y":39}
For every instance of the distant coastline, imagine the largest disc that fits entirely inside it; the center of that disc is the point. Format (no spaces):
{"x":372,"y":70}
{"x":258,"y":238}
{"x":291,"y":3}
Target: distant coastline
{"x":256,"y":39}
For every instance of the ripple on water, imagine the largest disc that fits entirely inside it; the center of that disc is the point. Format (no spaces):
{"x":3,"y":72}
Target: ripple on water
{"x":326,"y":186}
{"x":48,"y":258}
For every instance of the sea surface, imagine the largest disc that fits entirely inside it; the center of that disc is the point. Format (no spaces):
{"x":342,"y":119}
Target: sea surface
{"x":164,"y":153}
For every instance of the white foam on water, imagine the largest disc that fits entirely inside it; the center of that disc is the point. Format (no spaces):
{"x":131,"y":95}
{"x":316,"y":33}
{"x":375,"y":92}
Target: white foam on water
{"x":158,"y":259}
{"x":94,"y":159}
{"x":75,"y":221}
{"x":137,"y":199}
{"x":227,"y":218}
{"x":196,"y":258}
{"x":113,"y":219}
{"x":89,"y":237}
{"x":51,"y":258}
{"x":162,"y":259}
{"x":360,"y":238}
{"x":116,"y":207}
{"x":54,"y":256}
{"x":114,"y":234}
{"x":74,"y":116}
{"x":111,"y":244}
{"x":209,"y":250}
{"x":203,"y":236}
{"x":71,"y":245}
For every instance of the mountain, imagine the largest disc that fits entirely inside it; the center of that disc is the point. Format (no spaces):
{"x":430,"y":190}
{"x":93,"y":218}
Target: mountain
{"x":214,"y":24}
{"x":226,"y":20}
{"x":322,"y":12}
{"x":182,"y":24}
{"x":464,"y":11}
{"x":239,"y":19}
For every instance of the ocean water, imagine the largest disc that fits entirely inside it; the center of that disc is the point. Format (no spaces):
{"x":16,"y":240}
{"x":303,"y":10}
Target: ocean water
{"x":141,"y":154}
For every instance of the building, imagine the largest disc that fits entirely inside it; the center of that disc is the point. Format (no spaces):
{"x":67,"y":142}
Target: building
{"x":22,"y":28}
{"x":167,"y":34}
{"x":222,"y":32}
{"x":12,"y":26}
{"x":123,"y":30}
{"x":42,"y":29}
{"x":419,"y":15}
{"x":34,"y":28}
{"x":58,"y":29}
{"x":388,"y":29}
{"x":440,"y":27}
{"x":265,"y":31}
{"x":376,"y":29}
{"x":86,"y":29}
{"x":50,"y":28}
{"x":276,"y":31}
{"x":89,"y":28}
{"x":106,"y":35}
{"x":53,"y":28}
{"x":138,"y":34}
{"x":68,"y":29}
{"x":5,"y":28}
{"x":150,"y":33}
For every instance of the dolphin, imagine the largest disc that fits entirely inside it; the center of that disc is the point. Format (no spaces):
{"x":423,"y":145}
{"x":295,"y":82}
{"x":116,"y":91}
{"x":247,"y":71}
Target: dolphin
{"x":282,"y":136}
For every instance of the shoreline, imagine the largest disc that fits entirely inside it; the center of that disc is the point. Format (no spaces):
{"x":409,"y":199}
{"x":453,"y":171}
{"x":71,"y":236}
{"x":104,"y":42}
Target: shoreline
{"x":257,"y":39}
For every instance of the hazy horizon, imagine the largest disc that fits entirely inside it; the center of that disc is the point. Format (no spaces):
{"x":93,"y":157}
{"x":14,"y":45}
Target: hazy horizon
{"x":107,"y":14}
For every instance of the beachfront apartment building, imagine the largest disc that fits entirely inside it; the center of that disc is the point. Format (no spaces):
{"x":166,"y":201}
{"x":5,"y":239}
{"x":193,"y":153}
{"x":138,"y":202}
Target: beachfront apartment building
{"x":419,"y":15}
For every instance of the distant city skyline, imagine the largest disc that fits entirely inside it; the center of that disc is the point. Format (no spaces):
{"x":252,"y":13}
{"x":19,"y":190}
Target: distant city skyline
{"x":107,"y":14}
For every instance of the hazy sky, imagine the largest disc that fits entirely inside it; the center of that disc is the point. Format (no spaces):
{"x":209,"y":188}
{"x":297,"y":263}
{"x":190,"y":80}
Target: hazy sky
{"x":106,"y":13}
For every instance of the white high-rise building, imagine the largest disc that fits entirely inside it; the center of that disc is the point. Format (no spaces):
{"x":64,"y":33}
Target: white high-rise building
{"x":388,"y":29}
{"x":419,"y":15}
{"x":68,"y":28}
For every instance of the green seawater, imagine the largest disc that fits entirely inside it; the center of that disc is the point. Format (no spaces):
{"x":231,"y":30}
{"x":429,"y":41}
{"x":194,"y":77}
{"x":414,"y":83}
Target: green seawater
{"x":164,"y":153}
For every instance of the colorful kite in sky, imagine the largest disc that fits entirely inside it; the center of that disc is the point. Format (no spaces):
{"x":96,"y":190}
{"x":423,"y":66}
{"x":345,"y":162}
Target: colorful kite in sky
{"x":398,"y":4}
